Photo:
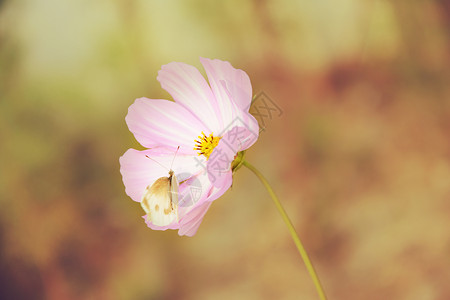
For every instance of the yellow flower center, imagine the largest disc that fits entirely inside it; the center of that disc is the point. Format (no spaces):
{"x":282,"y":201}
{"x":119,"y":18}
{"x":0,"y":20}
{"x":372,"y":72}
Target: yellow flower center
{"x":206,"y":144}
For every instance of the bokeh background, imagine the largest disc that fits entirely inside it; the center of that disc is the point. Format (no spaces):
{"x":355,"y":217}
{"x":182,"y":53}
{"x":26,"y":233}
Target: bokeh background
{"x":360,"y":155}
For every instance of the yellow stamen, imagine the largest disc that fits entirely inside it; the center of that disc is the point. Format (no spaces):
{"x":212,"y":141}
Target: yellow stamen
{"x":206,"y":144}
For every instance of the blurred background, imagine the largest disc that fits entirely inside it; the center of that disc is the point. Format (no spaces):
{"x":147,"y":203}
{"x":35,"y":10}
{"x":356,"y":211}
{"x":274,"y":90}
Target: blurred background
{"x":359,"y":151}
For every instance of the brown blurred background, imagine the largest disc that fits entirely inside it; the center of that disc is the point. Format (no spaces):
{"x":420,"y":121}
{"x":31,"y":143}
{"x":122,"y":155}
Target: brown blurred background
{"x":360,"y":156}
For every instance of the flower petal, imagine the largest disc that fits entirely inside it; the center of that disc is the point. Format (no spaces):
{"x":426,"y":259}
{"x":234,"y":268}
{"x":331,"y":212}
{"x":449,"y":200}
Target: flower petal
{"x":227,"y":81}
{"x":137,"y":172}
{"x":163,"y":123}
{"x":190,"y":223}
{"x":193,"y":190}
{"x":192,"y":220}
{"x":217,"y":192}
{"x":219,"y":165}
{"x":234,"y":140}
{"x":188,"y":88}
{"x":245,"y":128}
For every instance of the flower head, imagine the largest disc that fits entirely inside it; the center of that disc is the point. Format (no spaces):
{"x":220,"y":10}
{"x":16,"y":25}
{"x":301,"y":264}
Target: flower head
{"x":209,"y":123}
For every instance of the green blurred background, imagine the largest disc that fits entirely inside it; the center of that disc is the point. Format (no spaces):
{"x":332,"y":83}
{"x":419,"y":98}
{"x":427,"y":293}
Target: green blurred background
{"x":360,"y":156}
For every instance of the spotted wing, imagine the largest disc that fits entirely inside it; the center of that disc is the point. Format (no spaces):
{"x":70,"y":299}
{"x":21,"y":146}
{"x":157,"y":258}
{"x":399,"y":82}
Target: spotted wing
{"x":157,"y":202}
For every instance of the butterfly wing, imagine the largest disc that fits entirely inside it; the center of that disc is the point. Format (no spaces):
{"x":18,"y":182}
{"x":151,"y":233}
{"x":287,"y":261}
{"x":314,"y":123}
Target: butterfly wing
{"x":174,"y":192}
{"x":157,"y":202}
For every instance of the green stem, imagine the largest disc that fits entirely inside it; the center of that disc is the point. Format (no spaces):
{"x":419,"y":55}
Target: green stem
{"x":291,"y":228}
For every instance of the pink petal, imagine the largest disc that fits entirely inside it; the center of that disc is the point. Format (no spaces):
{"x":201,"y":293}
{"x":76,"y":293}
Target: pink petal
{"x":192,"y":220}
{"x":240,"y":138}
{"x":217,"y":192}
{"x":232,"y":90}
{"x":201,"y":189}
{"x":248,"y":129}
{"x":229,"y":85}
{"x":163,"y":123}
{"x":188,"y":88}
{"x":190,"y":223}
{"x":138,"y":172}
{"x":219,"y":165}
{"x":194,"y":190}
{"x":234,"y":140}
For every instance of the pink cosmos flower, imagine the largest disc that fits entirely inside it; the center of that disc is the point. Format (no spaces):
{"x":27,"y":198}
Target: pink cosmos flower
{"x":210,"y":124}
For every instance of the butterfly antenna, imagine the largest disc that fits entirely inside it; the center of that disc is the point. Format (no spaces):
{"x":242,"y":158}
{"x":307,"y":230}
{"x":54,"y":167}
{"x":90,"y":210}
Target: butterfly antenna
{"x":174,"y":157}
{"x":157,"y":162}
{"x":161,"y":163}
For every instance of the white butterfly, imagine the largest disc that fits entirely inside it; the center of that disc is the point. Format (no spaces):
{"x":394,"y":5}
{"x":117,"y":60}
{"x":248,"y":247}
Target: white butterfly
{"x":160,"y":199}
